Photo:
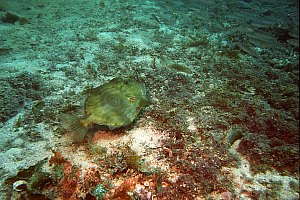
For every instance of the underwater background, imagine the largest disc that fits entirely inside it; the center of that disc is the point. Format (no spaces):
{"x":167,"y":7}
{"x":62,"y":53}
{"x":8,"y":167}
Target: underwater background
{"x":214,"y":115}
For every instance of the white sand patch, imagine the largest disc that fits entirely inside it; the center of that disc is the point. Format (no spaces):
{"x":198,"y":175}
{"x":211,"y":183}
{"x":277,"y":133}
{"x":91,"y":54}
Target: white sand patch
{"x":18,"y":158}
{"x":108,"y":37}
{"x":143,"y":59}
{"x":139,"y":41}
{"x":144,"y":138}
{"x":78,"y":157}
{"x":191,"y":124}
{"x":163,"y":29}
{"x":22,"y":65}
{"x":139,"y":140}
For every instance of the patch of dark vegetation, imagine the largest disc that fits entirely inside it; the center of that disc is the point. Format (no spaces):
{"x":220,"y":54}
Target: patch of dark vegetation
{"x":4,"y":51}
{"x":265,"y":153}
{"x":17,"y":92}
{"x":199,"y":166}
{"x":260,"y":99}
{"x":13,"y":18}
{"x":198,"y":43}
{"x":122,"y":160}
{"x":265,"y":103}
{"x":185,"y":152}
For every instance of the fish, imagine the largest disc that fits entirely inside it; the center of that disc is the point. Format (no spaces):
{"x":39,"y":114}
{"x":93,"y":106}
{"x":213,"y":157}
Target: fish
{"x":114,"y":105}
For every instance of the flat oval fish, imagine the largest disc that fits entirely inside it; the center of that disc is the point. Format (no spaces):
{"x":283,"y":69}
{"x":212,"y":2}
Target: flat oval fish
{"x":114,"y":104}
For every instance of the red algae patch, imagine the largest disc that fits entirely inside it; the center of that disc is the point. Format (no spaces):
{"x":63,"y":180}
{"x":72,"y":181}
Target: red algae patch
{"x":105,"y":135}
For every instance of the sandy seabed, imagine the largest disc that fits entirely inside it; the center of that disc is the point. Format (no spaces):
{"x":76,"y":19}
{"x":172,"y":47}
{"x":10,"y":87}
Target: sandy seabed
{"x":221,"y":76}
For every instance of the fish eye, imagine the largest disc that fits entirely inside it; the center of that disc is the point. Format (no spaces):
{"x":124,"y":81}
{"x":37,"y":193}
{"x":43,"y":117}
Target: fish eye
{"x":132,"y":99}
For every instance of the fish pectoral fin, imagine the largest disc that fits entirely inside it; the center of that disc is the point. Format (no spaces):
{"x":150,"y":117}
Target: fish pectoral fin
{"x":75,"y":126}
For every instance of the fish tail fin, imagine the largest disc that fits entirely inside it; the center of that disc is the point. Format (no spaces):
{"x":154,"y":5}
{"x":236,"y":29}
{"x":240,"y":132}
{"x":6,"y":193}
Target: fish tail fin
{"x":73,"y":125}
